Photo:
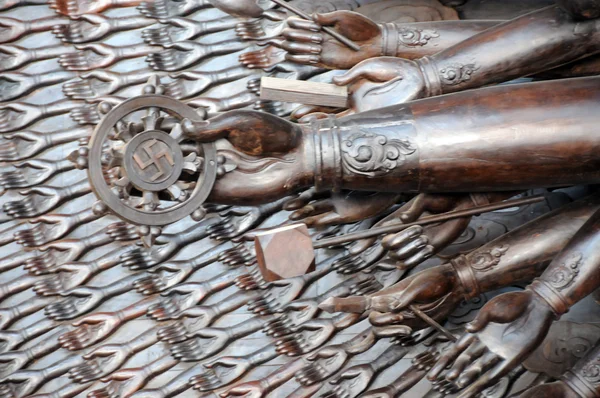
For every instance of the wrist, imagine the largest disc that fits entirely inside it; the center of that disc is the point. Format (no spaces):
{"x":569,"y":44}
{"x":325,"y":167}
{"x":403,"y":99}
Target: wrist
{"x":322,"y":152}
{"x":582,"y":379}
{"x":465,"y":276}
{"x":122,"y":315}
{"x":430,"y":75}
{"x":550,"y":296}
{"x":265,"y":385}
{"x":582,"y":385}
{"x":388,"y":40}
{"x":365,"y":156}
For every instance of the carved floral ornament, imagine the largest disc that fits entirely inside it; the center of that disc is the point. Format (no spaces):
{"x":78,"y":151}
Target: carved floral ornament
{"x":483,"y":261}
{"x":373,"y":155}
{"x":564,"y":275}
{"x":411,"y":37}
{"x":591,"y":372}
{"x":457,"y":73}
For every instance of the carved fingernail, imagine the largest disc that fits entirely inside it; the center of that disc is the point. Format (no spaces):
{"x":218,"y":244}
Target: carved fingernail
{"x":315,"y":49}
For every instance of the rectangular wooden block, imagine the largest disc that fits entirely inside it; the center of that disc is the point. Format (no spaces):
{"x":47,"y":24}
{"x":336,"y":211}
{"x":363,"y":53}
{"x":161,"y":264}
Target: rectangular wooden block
{"x":303,"y":92}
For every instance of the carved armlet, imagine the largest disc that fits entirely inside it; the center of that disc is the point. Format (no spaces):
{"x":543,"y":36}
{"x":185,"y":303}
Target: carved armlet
{"x":584,"y":377}
{"x":550,"y":286}
{"x":467,"y":267}
{"x":394,"y":35}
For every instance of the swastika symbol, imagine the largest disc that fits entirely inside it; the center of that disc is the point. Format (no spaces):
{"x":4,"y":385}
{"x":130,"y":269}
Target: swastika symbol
{"x":154,"y":158}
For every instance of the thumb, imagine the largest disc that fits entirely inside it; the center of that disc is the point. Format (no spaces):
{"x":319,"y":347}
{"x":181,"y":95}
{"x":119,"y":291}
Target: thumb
{"x":25,"y":163}
{"x":322,"y":220}
{"x":18,"y":134}
{"x":350,"y":373}
{"x":182,"y":45}
{"x":316,"y":355}
{"x":480,"y":322}
{"x":219,"y":361}
{"x":185,"y":74}
{"x":117,"y":376}
{"x":86,"y":320}
{"x":362,"y":70}
{"x":15,"y":106}
{"x":95,"y":73}
{"x":29,"y":191}
{"x":64,"y":267}
{"x":329,"y":18}
{"x":92,"y":18}
{"x":94,"y":47}
{"x":78,"y":291}
{"x":301,"y":200}
{"x":177,"y":290}
{"x":413,"y":209}
{"x":351,"y":24}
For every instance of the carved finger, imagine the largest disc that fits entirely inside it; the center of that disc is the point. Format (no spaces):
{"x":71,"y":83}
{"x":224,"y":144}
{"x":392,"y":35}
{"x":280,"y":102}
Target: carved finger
{"x":303,"y":199}
{"x":487,"y":380}
{"x":301,"y":48}
{"x":402,"y":238}
{"x":410,"y":248}
{"x":303,"y":24}
{"x":377,"y":318}
{"x":303,"y":59}
{"x":302,"y":36}
{"x":423,"y":254}
{"x":326,"y":219}
{"x":450,"y":355}
{"x":480,"y":366}
{"x":312,"y":209}
{"x":474,"y":351}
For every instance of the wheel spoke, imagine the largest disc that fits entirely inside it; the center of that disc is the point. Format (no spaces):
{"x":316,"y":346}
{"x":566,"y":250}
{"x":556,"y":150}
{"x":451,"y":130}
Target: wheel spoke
{"x":175,"y":192}
{"x":150,"y":119}
{"x":149,"y":200}
{"x":177,"y":132}
{"x":190,"y":163}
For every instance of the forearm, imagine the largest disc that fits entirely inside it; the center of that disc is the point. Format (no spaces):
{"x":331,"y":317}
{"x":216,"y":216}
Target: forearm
{"x":217,"y":25}
{"x":126,"y":3}
{"x":161,"y":365}
{"x":137,"y":309}
{"x":575,"y":271}
{"x":135,"y":50}
{"x":46,"y":346}
{"x":361,"y":342}
{"x":541,"y":135}
{"x":44,"y":24}
{"x":229,"y":74}
{"x":283,"y":374}
{"x":109,"y":260}
{"x":416,"y":40}
{"x":42,"y":53}
{"x":143,"y":340}
{"x":130,"y":23}
{"x":62,"y":137}
{"x":589,"y":66}
{"x":531,"y":43}
{"x":233,"y":302}
{"x":121,"y":286}
{"x":582,"y":378}
{"x":519,"y":255}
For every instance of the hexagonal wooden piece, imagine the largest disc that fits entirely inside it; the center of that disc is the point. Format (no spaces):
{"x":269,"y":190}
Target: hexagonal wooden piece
{"x":284,"y":252}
